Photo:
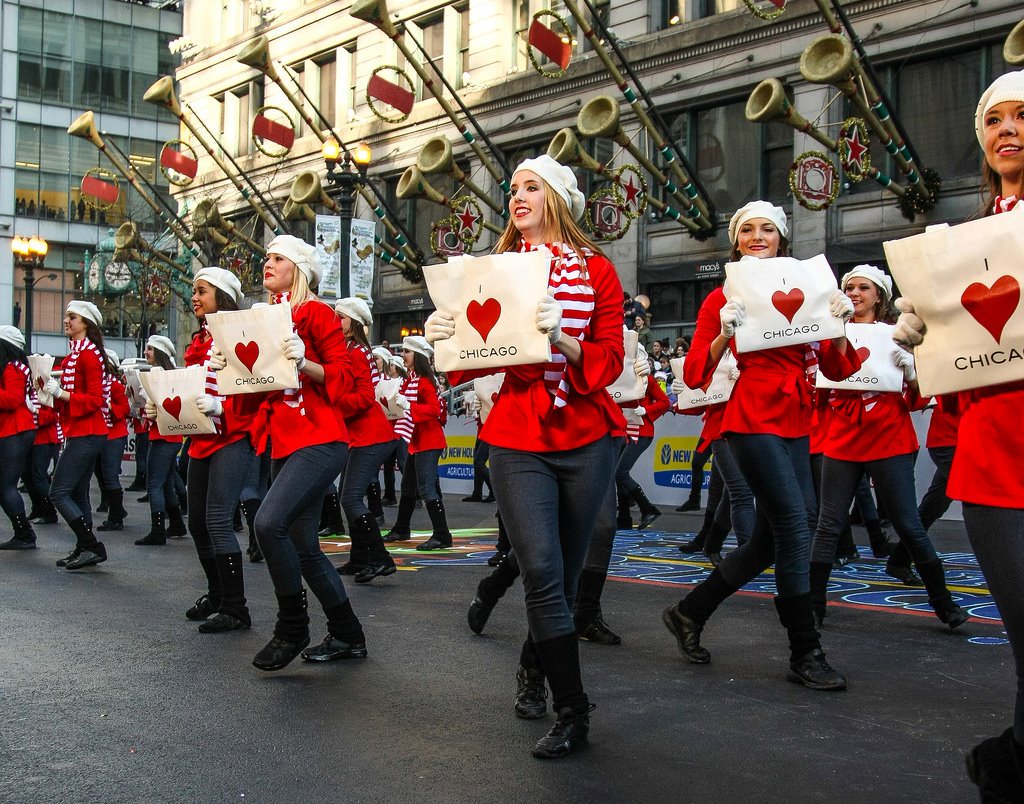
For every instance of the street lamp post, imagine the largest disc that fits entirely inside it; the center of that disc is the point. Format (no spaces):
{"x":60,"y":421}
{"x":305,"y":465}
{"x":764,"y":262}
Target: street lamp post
{"x":343,"y":177}
{"x":29,"y":254}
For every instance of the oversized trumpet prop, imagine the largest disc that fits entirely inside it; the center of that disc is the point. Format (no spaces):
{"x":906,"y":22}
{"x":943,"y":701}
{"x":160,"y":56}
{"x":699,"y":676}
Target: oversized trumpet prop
{"x":768,"y":104}
{"x":256,"y":54}
{"x":207,"y":215}
{"x":687,"y":193}
{"x":85,"y":127}
{"x":306,"y":189}
{"x":436,"y":157}
{"x":413,"y":184}
{"x":1013,"y":47}
{"x":129,"y":242}
{"x":376,"y":13}
{"x":298,"y":212}
{"x":161,"y":93}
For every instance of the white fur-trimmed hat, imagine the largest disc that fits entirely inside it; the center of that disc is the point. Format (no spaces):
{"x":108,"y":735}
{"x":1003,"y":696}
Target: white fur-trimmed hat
{"x":872,"y":272}
{"x":220,"y":278}
{"x":115,"y":358}
{"x":301,"y":253}
{"x":417,"y":343}
{"x":162,"y":344}
{"x":355,"y":308}
{"x":383,"y":353}
{"x":86,"y":309}
{"x":757,"y":209}
{"x":12,"y":335}
{"x":560,"y":178}
{"x":1007,"y":87}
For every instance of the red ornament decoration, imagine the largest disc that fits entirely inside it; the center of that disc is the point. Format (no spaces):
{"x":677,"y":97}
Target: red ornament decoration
{"x":268,"y":132}
{"x":100,"y":188}
{"x":178,"y":167}
{"x":853,"y":148}
{"x":814,"y":181}
{"x":554,"y":46}
{"x":399,"y":96}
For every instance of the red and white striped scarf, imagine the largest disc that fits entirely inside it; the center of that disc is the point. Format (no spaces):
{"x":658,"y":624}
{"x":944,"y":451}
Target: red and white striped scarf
{"x":210,"y":381}
{"x":567,"y":283}
{"x":30,"y":390}
{"x":292,"y":396}
{"x":1004,"y":204}
{"x":633,"y":430}
{"x":370,"y":360}
{"x":67,"y":377}
{"x":405,"y":426}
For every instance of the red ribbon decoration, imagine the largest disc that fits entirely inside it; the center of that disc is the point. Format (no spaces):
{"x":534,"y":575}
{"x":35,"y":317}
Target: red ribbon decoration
{"x":173,"y":159}
{"x":392,"y":94}
{"x":549,"y":43}
{"x":267,"y":129}
{"x":97,"y":188}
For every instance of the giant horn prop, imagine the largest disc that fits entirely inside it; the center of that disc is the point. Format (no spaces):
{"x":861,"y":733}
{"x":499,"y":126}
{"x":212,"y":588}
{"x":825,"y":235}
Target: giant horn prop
{"x":376,"y":13}
{"x":256,"y":54}
{"x":128,"y":240}
{"x":696,"y":205}
{"x":1013,"y":47}
{"x":298,"y":212}
{"x":85,"y":127}
{"x":413,"y":184}
{"x":161,"y":93}
{"x":830,"y":59}
{"x":436,"y":157}
{"x":207,"y":215}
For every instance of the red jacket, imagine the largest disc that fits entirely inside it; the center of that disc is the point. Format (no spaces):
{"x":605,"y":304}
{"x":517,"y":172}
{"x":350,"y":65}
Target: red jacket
{"x":429,"y":416}
{"x":990,"y":442}
{"x":945,"y":423}
{"x":239,"y":412}
{"x":524,"y":417}
{"x":655,"y":403}
{"x":119,"y":409}
{"x":47,"y":430}
{"x":15,"y":417}
{"x":82,"y":414}
{"x":288,"y":428}
{"x":870,"y":426}
{"x":772,"y":395}
{"x":365,"y":418}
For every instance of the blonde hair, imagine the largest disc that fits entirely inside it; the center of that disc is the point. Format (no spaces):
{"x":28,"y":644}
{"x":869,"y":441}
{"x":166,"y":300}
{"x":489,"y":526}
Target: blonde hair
{"x":559,"y":223}
{"x":300,"y":290}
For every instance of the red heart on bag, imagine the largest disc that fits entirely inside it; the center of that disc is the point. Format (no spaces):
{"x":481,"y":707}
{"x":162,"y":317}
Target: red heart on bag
{"x":992,"y":307}
{"x":248,"y":353}
{"x":483,"y":317}
{"x":863,"y":353}
{"x":40,"y":382}
{"x":173,"y":406}
{"x":494,"y":397}
{"x":788,"y":303}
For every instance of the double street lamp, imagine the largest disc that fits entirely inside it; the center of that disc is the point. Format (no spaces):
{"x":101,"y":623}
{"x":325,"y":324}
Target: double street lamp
{"x":29,"y":254}
{"x":345,"y":179}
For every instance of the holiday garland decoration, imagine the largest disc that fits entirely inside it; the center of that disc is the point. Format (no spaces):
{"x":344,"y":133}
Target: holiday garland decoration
{"x":605,"y":213}
{"x":913,"y":203}
{"x":445,"y":241}
{"x":399,"y":96}
{"x":468,"y":217}
{"x":633,"y":187}
{"x":813,"y":180}
{"x":556,"y":47}
{"x":853,"y":148}
{"x":766,"y":9}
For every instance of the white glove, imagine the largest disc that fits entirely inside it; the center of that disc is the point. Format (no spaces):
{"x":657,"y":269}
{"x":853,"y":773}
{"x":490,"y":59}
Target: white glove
{"x":402,"y":402}
{"x":732,"y":315}
{"x":642,"y":366}
{"x":734,"y":373}
{"x":209,"y":405}
{"x":678,"y":387}
{"x":840,"y":306}
{"x":217,"y":360}
{"x":640,"y":410}
{"x":909,"y":328}
{"x":905,"y":360}
{"x":473,"y":407}
{"x":294,"y":349}
{"x":150,"y":410}
{"x":53,"y":388}
{"x":549,"y":318}
{"x":438,"y":326}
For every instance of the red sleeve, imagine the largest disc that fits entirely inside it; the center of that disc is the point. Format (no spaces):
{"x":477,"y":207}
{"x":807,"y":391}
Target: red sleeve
{"x":360,"y":396}
{"x":427,"y":406}
{"x":655,"y":401}
{"x":12,"y":388}
{"x":838,"y":365}
{"x":320,"y":330}
{"x":698,"y":367}
{"x":602,"y":351}
{"x":88,"y":394}
{"x":119,"y":406}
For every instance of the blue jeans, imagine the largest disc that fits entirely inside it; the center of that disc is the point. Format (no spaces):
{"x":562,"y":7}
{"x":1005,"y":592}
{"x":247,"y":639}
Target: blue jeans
{"x":997,"y":538}
{"x":547,"y":502}
{"x":286,"y":524}
{"x":14,"y":451}
{"x":935,"y":502}
{"x":894,"y":483}
{"x":360,"y":471}
{"x":214,"y":486}
{"x":602,"y":540}
{"x":110,"y":463}
{"x":161,"y":470}
{"x":631,"y":452}
{"x":419,"y":477}
{"x":69,"y":489}
{"x":141,"y":454}
{"x":37,"y":470}
{"x":778,"y":471}
{"x":739,"y":496}
{"x":257,"y":479}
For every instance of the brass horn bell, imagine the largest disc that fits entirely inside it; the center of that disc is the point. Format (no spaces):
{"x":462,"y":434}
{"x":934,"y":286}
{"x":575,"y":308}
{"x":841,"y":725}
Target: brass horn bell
{"x":161,"y":93}
{"x":768,"y":103}
{"x":565,"y":148}
{"x":1013,"y":47}
{"x":413,"y":184}
{"x":307,"y":189}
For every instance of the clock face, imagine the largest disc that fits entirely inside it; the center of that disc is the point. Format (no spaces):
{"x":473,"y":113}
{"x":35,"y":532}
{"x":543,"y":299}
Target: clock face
{"x":118,"y":276}
{"x":95,"y":274}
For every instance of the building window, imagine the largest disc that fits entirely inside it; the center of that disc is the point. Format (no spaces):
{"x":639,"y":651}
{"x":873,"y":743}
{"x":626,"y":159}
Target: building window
{"x":237,"y":109}
{"x":327,"y":76}
{"x":675,"y":12}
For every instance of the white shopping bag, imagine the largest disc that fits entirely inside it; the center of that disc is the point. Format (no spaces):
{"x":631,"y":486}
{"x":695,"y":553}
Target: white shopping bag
{"x":786,"y":301}
{"x":965,"y":283}
{"x":174,"y":393}
{"x":628,"y":387}
{"x":719,"y":389}
{"x":874,"y":346}
{"x":41,"y":366}
{"x":133,"y":389}
{"x":251,"y":342}
{"x":487,"y":389}
{"x":494,"y":302}
{"x":388,"y":391}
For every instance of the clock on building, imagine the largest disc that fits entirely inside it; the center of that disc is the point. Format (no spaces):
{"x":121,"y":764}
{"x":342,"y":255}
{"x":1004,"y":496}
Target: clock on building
{"x":94,"y":275}
{"x":117,"y":276}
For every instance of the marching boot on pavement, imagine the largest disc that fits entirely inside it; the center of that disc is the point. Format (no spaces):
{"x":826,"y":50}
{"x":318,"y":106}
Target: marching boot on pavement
{"x":47,"y":513}
{"x":208,"y":603}
{"x":373,"y":502}
{"x":560,"y":658}
{"x":624,"y":516}
{"x":331,"y":523}
{"x":587,"y":615}
{"x":157,"y":532}
{"x":807,"y":663}
{"x":401,"y":530}
{"x":24,"y":537}
{"x":358,"y":551}
{"x":687,"y":618}
{"x":176,"y":528}
{"x":939,"y":598}
{"x":116,"y":513}
{"x":490,"y":590}
{"x":249,"y":508}
{"x":441,"y":537}
{"x":344,"y":638}
{"x":87,"y":550}
{"x":232,"y":613}
{"x":291,"y":633}
{"x":648,"y":511}
{"x":898,"y":566}
{"x":378,"y":560}
{"x":821,"y":571}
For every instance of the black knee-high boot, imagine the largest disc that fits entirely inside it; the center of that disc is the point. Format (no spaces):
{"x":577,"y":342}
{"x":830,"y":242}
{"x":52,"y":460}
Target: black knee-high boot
{"x":373,"y":501}
{"x":157,"y":532}
{"x":401,"y":530}
{"x":648,"y":511}
{"x":331,"y":523}
{"x":249,"y":508}
{"x":358,"y":552}
{"x":117,"y":512}
{"x":87,"y":550}
{"x":441,"y":537}
{"x":232,"y":613}
{"x":379,"y":562}
{"x":686,"y":619}
{"x":560,"y":658}
{"x":941,"y":600}
{"x":490,"y":590}
{"x":807,"y":663}
{"x":24,"y":537}
{"x":208,"y":603}
{"x":623,"y":516}
{"x":291,"y":633}
{"x":821,"y":571}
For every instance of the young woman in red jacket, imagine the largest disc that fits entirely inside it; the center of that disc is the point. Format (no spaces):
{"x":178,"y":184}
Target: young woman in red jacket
{"x":218,"y":467}
{"x":986,"y":474}
{"x":422,"y":428}
{"x":552,"y":454}
{"x":889,"y":460}
{"x":17,"y":432}
{"x":371,"y":438}
{"x":308,"y":444}
{"x":766,"y":423}
{"x":113,"y":451}
{"x":43,"y":455}
{"x":82,"y":400}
